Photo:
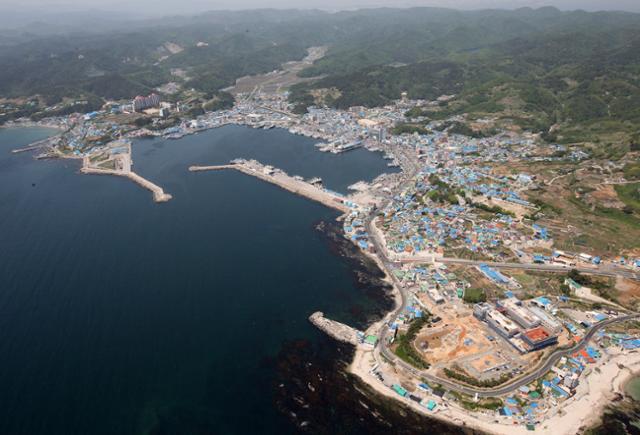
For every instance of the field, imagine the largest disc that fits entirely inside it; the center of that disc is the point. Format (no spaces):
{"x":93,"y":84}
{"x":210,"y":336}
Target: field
{"x":275,"y":81}
{"x":583,"y":214}
{"x":536,"y":283}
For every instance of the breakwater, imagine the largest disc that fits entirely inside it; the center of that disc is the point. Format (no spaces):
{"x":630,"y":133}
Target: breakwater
{"x":159,"y":194}
{"x":337,"y":330}
{"x":283,"y":180}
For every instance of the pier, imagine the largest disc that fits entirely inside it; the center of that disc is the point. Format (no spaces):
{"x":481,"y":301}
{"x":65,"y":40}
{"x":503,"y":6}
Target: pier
{"x":158,"y":193}
{"x":282,"y":180}
{"x":337,"y":330}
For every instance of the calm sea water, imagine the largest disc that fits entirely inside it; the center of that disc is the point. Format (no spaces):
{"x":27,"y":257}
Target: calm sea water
{"x":121,"y":316}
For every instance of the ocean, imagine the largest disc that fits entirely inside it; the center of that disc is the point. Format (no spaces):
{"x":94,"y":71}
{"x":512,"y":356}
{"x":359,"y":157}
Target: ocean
{"x":122,"y":316}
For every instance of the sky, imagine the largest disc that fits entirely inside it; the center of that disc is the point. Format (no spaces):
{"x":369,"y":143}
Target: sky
{"x":23,"y":14}
{"x":155,"y":7}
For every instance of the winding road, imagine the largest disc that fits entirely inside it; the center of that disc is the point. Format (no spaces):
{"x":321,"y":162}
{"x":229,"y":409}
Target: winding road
{"x":516,"y":383}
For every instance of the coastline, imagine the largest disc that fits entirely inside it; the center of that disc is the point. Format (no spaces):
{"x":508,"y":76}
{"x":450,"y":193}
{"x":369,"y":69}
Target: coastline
{"x":581,"y":411}
{"x":573,"y":416}
{"x":315,"y":384}
{"x":32,"y":124}
{"x":604,"y":382}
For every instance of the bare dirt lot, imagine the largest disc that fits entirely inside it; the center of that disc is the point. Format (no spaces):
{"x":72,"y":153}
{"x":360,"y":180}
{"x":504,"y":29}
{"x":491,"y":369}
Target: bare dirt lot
{"x":276,"y":80}
{"x":459,"y":337}
{"x":628,"y":291}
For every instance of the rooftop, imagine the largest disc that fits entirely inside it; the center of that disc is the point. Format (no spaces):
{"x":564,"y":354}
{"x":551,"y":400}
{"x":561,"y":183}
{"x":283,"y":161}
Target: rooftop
{"x":537,"y":334}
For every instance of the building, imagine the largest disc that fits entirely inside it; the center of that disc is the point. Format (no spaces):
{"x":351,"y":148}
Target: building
{"x":571,"y":381}
{"x":501,"y":324}
{"x":521,"y":314}
{"x":543,"y":303}
{"x":538,"y":338}
{"x":493,"y":274}
{"x":480,"y":310}
{"x":435,"y":296}
{"x":547,"y":320}
{"x":141,"y":103}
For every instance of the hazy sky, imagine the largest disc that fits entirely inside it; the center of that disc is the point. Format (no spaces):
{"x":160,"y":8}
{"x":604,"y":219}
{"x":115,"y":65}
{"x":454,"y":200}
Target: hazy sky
{"x":154,"y":7}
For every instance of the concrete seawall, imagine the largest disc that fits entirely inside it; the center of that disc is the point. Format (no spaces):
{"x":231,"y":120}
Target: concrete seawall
{"x":284,"y":181}
{"x":337,"y":330}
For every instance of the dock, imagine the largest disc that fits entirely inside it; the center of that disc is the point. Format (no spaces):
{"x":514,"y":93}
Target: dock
{"x":282,"y":180}
{"x":337,"y":330}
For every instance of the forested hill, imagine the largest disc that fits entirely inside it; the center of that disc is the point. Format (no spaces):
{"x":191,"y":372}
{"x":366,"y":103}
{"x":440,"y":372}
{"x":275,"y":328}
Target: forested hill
{"x":575,"y":71}
{"x":540,"y":68}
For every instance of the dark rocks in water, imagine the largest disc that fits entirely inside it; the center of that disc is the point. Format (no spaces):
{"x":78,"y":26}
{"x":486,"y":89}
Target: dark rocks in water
{"x":312,"y":386}
{"x":315,"y":391}
{"x":621,"y":417}
{"x":366,"y":274}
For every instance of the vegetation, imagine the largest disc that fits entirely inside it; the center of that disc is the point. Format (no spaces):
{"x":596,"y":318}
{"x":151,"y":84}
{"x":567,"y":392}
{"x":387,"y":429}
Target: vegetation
{"x":492,"y":404}
{"x":442,"y":192}
{"x":405,"y":349}
{"x":493,"y":209}
{"x":489,"y":383}
{"x":603,"y":288}
{"x":123,"y":64}
{"x":474,"y":295}
{"x":630,"y":195}
{"x":545,"y":206}
{"x":632,"y":171}
{"x":533,"y":68}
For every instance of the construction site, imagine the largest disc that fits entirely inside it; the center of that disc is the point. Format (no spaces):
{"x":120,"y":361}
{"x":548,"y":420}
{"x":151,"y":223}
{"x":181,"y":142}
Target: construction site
{"x":461,"y":340}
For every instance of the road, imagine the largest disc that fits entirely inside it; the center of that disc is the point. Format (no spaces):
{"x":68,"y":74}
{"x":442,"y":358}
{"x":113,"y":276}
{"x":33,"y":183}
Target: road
{"x":602,"y":270}
{"x":540,"y":371}
{"x":550,"y":361}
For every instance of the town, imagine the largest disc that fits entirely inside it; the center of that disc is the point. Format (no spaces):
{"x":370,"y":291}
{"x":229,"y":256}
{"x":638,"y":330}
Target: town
{"x":496,"y":326}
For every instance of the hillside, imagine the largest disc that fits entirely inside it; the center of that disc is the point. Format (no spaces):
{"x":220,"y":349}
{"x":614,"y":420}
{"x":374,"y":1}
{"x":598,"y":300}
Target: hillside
{"x":573,"y":76}
{"x":575,"y":71}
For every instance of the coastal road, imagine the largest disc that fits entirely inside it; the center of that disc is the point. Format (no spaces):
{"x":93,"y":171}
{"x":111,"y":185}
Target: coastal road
{"x":540,"y":371}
